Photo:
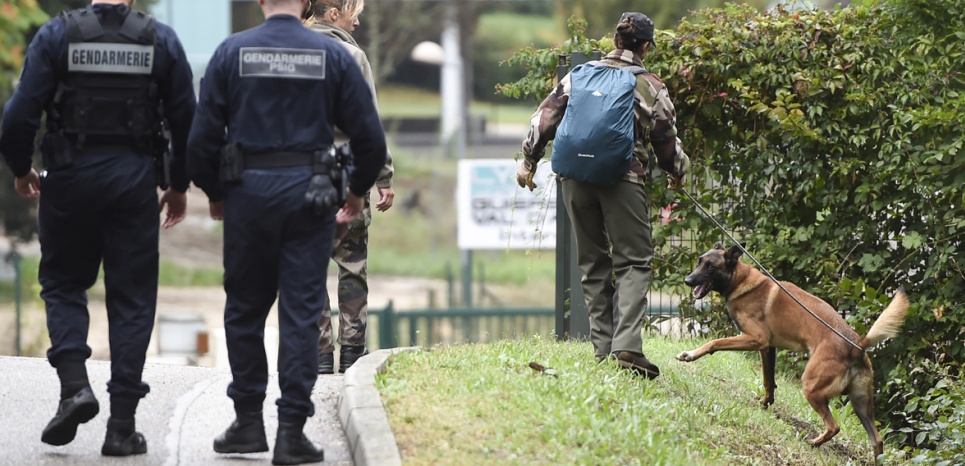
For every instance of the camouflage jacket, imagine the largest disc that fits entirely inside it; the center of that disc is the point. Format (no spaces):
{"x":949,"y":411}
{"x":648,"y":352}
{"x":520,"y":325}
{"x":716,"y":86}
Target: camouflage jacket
{"x":385,"y":175}
{"x":655,"y":128}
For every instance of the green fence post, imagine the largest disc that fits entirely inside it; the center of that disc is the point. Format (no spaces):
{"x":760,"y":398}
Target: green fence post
{"x":387,"y":328}
{"x":572,"y":319}
{"x":450,"y":283}
{"x":17,"y":296}
{"x":467,"y":278}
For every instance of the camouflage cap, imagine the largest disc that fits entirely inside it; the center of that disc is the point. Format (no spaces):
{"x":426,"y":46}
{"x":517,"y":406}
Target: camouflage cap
{"x":642,"y":26}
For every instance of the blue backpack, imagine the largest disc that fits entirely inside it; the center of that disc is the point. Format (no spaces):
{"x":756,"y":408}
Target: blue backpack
{"x":594,"y":142}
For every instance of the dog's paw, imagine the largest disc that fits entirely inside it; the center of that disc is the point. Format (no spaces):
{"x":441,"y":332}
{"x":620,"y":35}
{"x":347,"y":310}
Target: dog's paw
{"x":686,"y":356}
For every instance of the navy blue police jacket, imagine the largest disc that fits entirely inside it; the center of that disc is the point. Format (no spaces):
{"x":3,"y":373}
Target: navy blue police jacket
{"x":280,"y":87}
{"x":45,"y":66}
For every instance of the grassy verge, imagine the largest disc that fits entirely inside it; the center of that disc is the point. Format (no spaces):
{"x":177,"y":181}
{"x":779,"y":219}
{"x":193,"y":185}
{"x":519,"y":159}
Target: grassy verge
{"x":175,"y":275}
{"x":29,"y":287}
{"x":483,"y":404}
{"x":403,"y":101}
{"x":417,"y":236}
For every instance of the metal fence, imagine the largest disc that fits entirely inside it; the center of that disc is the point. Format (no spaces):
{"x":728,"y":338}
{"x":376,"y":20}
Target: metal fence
{"x":390,"y":328}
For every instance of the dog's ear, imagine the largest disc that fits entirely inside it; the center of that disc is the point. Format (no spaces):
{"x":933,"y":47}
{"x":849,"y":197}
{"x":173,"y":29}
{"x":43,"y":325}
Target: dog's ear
{"x":733,"y":255}
{"x":719,"y":245}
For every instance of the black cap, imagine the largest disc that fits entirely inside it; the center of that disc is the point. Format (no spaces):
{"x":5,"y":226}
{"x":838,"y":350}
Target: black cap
{"x":642,"y":26}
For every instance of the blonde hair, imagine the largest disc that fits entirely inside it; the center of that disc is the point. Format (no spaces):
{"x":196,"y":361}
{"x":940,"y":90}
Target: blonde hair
{"x":316,"y":9}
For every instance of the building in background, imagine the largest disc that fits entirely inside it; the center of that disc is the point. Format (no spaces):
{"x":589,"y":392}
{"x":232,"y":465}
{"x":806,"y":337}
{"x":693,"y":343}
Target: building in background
{"x":202,"y":25}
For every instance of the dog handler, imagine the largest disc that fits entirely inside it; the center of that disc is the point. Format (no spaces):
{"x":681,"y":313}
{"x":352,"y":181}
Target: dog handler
{"x":260,"y":149}
{"x":621,"y":209}
{"x":338,"y":19}
{"x":101,"y":73}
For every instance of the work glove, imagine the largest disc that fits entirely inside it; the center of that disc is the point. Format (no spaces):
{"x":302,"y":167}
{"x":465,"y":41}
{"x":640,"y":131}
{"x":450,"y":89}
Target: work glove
{"x":675,"y":181}
{"x":525,"y":173}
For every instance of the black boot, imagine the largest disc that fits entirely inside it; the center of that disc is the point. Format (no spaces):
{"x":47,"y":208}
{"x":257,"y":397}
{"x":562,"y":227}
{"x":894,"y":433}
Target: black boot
{"x":348,"y":355}
{"x":245,"y":435}
{"x":292,"y":447}
{"x":122,"y":439}
{"x":72,"y":411}
{"x":326,"y":363}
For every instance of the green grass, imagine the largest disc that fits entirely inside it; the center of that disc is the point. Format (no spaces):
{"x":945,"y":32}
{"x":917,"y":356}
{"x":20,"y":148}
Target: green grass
{"x":168,"y":275}
{"x":28,"y":281}
{"x":482,"y":404}
{"x":175,"y":275}
{"x":421,"y":240}
{"x":404,"y":101}
{"x":514,"y":29}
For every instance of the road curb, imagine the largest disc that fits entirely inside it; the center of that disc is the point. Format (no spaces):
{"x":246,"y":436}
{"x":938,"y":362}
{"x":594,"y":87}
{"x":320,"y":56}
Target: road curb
{"x":363,"y":418}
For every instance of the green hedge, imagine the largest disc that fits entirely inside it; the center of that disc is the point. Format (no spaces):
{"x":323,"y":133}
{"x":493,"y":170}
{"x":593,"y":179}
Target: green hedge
{"x":830,"y":142}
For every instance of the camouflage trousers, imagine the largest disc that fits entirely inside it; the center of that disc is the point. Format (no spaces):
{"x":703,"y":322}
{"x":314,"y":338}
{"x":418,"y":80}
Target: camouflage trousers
{"x":349,"y":251}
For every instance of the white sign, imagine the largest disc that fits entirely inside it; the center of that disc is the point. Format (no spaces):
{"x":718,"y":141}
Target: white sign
{"x":495,"y":213}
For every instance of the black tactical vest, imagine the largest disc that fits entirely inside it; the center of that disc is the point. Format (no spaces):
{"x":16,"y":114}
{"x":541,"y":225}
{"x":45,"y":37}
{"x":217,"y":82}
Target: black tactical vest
{"x":109,"y":94}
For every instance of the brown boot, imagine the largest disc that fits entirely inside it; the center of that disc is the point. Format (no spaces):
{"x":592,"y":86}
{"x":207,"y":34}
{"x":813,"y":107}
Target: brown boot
{"x":638,"y":363}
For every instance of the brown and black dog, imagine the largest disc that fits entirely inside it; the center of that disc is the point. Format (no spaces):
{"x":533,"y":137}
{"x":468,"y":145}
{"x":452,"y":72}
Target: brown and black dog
{"x":769,"y":319}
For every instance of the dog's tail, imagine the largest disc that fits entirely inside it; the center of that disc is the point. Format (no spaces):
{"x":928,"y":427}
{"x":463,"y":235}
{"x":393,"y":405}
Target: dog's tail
{"x":888,"y":322}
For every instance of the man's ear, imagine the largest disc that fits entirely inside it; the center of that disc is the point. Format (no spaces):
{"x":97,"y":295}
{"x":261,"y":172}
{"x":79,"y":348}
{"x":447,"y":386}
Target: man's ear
{"x":733,"y":255}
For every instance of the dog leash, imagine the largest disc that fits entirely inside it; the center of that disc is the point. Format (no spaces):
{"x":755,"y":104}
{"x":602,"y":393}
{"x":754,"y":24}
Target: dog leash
{"x":766,"y":272}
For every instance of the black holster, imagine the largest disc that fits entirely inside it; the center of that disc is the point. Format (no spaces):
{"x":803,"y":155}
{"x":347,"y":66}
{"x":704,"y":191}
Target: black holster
{"x":161,"y":150}
{"x":322,"y":196}
{"x":57,"y":151}
{"x":343,"y":156}
{"x":162,"y":170}
{"x":232,"y":165}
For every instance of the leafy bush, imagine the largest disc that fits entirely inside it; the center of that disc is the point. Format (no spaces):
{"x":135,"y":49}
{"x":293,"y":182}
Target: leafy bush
{"x":17,"y":216}
{"x":935,"y":419}
{"x":496,"y":36}
{"x":830,"y":143}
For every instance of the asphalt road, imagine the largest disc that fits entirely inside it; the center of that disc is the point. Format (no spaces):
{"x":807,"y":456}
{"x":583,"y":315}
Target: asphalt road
{"x":186,"y":409}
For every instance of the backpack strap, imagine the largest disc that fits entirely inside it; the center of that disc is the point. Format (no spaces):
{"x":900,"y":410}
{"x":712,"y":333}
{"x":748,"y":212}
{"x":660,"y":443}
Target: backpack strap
{"x":636,"y":70}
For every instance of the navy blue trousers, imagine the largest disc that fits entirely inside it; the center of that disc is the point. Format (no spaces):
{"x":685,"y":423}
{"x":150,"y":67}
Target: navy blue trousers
{"x":104,"y":209}
{"x":274,"y":247}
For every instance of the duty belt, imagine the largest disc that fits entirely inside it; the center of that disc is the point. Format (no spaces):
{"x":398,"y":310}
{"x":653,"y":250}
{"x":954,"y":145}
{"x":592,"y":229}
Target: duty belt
{"x":278,"y":159}
{"x":106,"y":145}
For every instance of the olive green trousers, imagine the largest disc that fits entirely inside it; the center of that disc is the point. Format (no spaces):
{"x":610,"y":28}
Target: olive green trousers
{"x":611,"y":225}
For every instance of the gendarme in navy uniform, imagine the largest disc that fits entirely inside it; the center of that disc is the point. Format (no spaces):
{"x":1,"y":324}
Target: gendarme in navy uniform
{"x":107,"y":78}
{"x":259,"y":148}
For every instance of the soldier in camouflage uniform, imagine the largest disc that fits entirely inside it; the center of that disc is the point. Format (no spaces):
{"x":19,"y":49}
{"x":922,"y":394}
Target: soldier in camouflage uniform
{"x":338,"y":19}
{"x":622,"y":248}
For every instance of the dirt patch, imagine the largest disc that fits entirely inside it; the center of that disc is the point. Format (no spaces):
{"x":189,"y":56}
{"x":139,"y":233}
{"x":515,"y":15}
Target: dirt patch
{"x":809,"y":431}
